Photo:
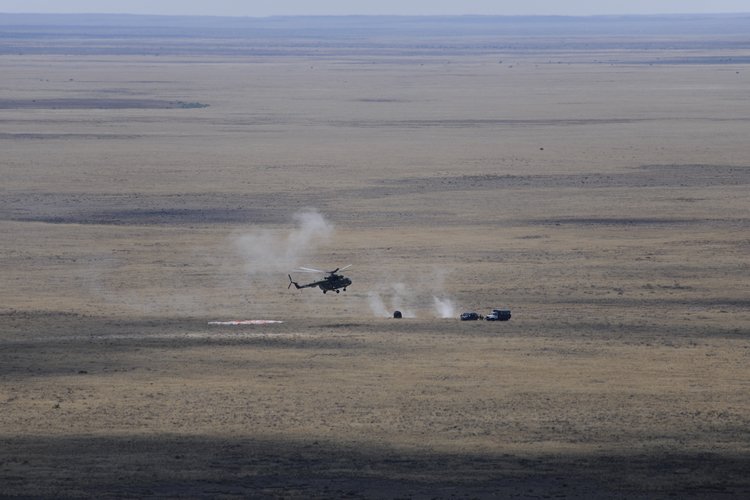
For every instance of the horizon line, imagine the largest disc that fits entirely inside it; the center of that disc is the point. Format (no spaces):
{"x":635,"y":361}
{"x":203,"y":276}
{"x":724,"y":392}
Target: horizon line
{"x":676,"y":14}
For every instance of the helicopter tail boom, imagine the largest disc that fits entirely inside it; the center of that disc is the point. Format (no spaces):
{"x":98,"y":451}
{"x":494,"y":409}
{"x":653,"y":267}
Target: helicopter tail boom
{"x":291,"y":282}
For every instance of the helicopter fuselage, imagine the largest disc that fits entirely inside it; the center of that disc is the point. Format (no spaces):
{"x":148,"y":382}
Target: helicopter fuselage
{"x":332,"y":282}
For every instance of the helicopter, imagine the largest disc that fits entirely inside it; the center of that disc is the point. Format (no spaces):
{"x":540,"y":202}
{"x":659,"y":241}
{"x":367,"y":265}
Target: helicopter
{"x":331,"y":282}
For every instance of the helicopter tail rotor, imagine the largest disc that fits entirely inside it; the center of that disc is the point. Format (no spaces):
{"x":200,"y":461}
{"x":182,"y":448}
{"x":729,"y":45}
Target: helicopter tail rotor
{"x":291,"y":282}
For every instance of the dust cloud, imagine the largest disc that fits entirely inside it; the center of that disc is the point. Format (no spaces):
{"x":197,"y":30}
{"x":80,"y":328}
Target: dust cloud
{"x":377,"y":306}
{"x":266,"y":252}
{"x":411,"y":300}
{"x":444,"y":308}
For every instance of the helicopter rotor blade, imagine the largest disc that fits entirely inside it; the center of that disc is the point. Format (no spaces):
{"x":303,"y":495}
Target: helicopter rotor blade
{"x":339,"y":269}
{"x":309,"y":270}
{"x":320,"y":271}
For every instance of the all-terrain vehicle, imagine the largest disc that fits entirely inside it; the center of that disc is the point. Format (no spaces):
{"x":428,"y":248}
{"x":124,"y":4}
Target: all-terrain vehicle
{"x":498,"y":315}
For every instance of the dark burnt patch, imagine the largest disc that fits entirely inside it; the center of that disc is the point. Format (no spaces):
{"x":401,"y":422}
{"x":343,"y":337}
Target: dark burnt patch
{"x":618,"y":221}
{"x":44,"y":137}
{"x":642,"y":177}
{"x":97,"y":103}
{"x":632,"y":222}
{"x":483,"y":123}
{"x":150,"y":209}
{"x":164,"y":216}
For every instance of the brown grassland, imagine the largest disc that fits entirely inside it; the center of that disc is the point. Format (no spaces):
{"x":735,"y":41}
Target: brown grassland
{"x":599,"y":193}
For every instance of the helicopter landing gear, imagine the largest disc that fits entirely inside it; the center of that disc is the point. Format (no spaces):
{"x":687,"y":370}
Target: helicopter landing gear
{"x":324,"y":291}
{"x":337,"y":291}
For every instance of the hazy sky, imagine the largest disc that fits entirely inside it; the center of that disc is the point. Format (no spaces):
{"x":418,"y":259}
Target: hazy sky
{"x":373,"y":7}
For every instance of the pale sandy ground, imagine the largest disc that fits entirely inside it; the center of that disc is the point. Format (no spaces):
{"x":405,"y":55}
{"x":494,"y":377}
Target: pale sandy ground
{"x":606,"y":205}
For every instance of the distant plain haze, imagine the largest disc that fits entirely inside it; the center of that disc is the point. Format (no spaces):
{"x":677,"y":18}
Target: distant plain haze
{"x":262,"y":8}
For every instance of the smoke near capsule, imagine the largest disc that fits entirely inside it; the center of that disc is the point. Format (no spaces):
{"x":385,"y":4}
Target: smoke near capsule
{"x":398,"y":296}
{"x":377,"y":306}
{"x":411,"y":301}
{"x":443,"y":307}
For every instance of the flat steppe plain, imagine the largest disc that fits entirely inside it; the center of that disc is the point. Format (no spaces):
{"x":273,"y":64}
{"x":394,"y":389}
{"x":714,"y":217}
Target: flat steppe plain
{"x":600,"y":195}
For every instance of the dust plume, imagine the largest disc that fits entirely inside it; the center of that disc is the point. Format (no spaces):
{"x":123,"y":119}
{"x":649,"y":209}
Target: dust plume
{"x":424,"y":295}
{"x":266,"y":252}
{"x":398,"y":296}
{"x":377,"y":306}
{"x":265,"y":255}
{"x":403,"y":299}
{"x":444,"y":308}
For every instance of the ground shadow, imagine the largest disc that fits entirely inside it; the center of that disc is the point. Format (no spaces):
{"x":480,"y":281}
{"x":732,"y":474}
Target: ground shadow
{"x":176,"y":466}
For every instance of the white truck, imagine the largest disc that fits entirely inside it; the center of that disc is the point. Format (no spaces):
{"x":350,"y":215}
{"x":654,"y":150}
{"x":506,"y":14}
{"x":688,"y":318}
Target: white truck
{"x":498,"y":315}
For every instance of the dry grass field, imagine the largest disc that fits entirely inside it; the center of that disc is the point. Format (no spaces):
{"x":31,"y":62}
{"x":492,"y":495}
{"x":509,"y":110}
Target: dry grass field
{"x":596,"y":186}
